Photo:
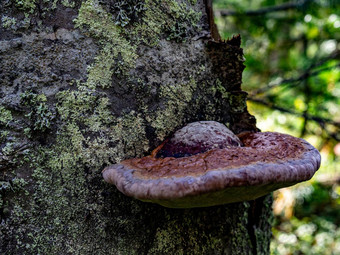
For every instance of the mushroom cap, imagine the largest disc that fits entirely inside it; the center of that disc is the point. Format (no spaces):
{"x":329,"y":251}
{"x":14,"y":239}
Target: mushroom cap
{"x":268,"y":161}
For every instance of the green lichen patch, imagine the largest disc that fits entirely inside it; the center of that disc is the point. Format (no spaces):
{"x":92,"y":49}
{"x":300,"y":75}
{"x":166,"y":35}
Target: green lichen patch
{"x":169,"y":237}
{"x":39,"y":113}
{"x":18,"y":184}
{"x":166,"y":19}
{"x":107,"y":137}
{"x":5,"y":116}
{"x":171,"y":116}
{"x":67,"y":170}
{"x":112,"y":61}
{"x":68,"y":3}
{"x":24,"y":15}
{"x":125,"y":12}
{"x":160,"y":19}
{"x":8,"y":22}
{"x":218,"y":88}
{"x":117,"y":55}
{"x":26,"y":5}
{"x":185,"y":21}
{"x":150,"y":29}
{"x":74,"y":105}
{"x":65,"y":203}
{"x":238,"y":100}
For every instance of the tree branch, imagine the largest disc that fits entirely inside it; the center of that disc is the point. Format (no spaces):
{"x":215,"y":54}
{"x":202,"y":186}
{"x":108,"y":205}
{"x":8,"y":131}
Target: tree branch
{"x":305,"y":75}
{"x":292,"y":81}
{"x":304,"y":115}
{"x":320,"y":120}
{"x":265,"y":10}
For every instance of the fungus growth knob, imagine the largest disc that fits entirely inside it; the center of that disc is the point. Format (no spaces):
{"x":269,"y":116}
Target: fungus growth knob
{"x":198,"y":137}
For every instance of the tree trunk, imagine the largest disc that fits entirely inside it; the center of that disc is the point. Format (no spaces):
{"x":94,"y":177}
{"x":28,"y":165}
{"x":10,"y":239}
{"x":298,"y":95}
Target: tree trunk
{"x":85,"y":84}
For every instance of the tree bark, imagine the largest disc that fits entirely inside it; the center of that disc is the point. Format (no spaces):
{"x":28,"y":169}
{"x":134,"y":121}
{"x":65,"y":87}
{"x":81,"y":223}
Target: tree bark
{"x":85,"y":84}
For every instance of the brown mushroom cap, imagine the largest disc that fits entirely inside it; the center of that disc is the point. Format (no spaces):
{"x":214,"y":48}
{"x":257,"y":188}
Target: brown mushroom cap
{"x":268,"y":161}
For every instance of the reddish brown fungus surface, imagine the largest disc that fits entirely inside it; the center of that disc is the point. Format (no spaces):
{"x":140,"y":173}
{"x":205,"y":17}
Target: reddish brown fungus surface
{"x":258,"y":147}
{"x":223,"y":172}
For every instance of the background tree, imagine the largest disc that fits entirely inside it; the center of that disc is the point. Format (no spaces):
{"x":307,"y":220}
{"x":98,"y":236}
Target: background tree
{"x":292,"y":77}
{"x":85,"y":84}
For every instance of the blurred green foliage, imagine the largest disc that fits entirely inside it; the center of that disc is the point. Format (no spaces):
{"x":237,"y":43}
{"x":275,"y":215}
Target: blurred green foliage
{"x":292,"y":58}
{"x":292,"y":51}
{"x":314,"y":228}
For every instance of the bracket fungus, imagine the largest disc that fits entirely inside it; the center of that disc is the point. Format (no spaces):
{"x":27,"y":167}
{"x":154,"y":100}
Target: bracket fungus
{"x":205,"y":164}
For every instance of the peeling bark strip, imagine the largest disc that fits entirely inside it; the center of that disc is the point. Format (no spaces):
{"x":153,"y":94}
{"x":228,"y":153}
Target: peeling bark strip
{"x":213,"y":28}
{"x":86,"y":84}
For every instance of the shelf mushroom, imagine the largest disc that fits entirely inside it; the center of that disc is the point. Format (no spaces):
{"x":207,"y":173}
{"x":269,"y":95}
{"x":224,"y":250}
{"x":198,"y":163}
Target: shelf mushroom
{"x":205,"y":164}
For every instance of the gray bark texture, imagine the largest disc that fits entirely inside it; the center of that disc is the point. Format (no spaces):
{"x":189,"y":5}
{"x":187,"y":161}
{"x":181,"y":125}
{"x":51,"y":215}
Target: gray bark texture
{"x":85,"y":84}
